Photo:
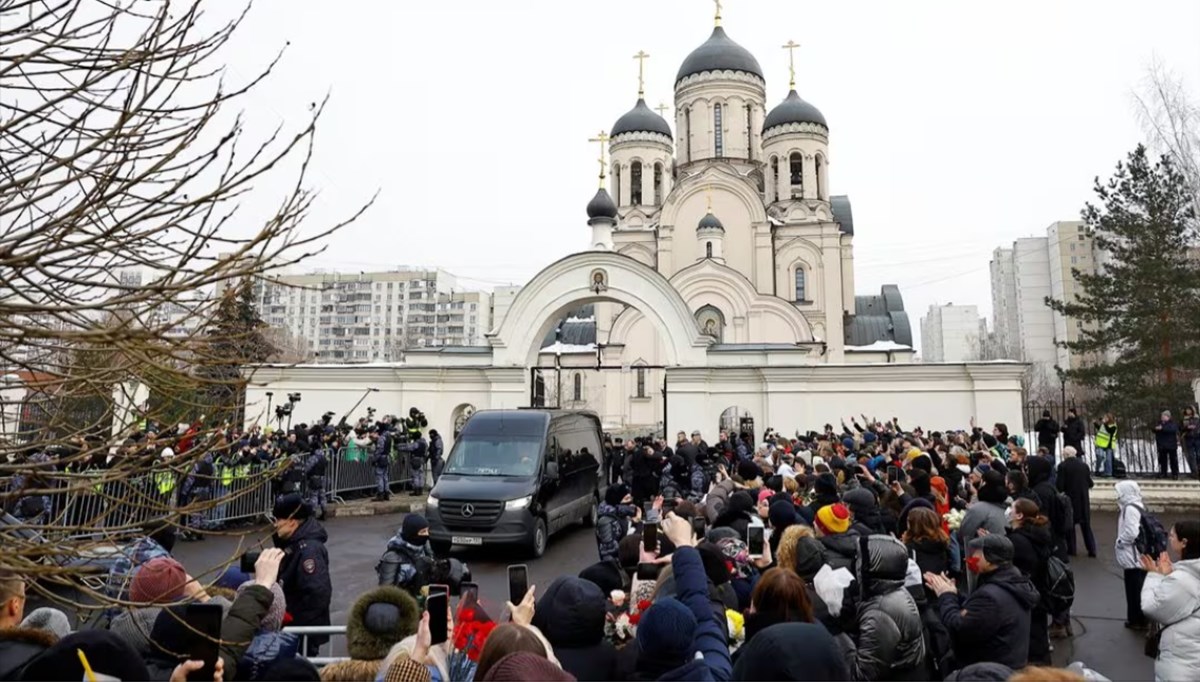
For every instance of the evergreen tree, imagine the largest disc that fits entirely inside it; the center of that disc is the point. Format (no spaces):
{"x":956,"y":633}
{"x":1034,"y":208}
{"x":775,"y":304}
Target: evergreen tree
{"x":237,"y":337}
{"x":1140,"y":317}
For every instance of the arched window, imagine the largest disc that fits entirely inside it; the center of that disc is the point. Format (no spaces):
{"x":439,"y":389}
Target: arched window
{"x":635,"y":183}
{"x":719,"y":129}
{"x":641,"y":382}
{"x":658,"y":184}
{"x":817,"y":177}
{"x":750,"y":132}
{"x":617,"y":183}
{"x":708,"y":249}
{"x":797,"y":173}
{"x":687,"y":133}
{"x":801,"y":290}
{"x":578,"y":388}
{"x":773,"y":187}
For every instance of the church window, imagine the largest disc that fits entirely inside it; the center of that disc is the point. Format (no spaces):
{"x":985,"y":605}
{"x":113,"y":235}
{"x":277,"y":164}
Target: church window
{"x":658,"y":184}
{"x":800,"y":282}
{"x":773,"y":188}
{"x":750,"y":132}
{"x":635,"y":183}
{"x":797,"y":172}
{"x":687,"y":133}
{"x":708,"y":249}
{"x":578,"y":388}
{"x":817,"y":177}
{"x":641,"y":382}
{"x":617,"y":182}
{"x":719,"y":129}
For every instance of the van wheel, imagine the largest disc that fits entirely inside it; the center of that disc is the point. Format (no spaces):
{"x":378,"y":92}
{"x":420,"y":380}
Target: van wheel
{"x":540,"y":537}
{"x":593,"y":515}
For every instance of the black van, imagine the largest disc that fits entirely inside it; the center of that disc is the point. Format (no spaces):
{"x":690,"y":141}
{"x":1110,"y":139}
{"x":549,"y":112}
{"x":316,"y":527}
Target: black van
{"x":514,"y":477}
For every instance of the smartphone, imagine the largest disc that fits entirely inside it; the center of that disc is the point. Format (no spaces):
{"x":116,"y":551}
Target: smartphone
{"x":518,"y":583}
{"x":203,"y":637}
{"x":439,"y":589}
{"x":648,"y":572}
{"x":893,"y":474}
{"x":699,"y":527}
{"x":468,"y":592}
{"x":649,"y":513}
{"x":249,"y":559}
{"x":650,"y":536}
{"x":755,"y":539}
{"x":437,"y":605}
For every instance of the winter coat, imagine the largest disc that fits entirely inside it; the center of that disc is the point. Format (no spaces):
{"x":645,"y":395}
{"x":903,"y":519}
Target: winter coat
{"x":265,"y":650}
{"x":571,"y":613}
{"x":19,"y":646}
{"x":1073,"y":433}
{"x":1075,"y":479}
{"x":405,"y":565}
{"x":612,"y":524}
{"x":1129,"y":522}
{"x":791,"y":651}
{"x":840,"y":550}
{"x":1031,"y":550}
{"x":718,"y":499}
{"x":931,"y":556}
{"x":1167,"y":437}
{"x":1174,"y":602}
{"x":992,"y":624}
{"x":304,"y":575}
{"x":987,"y":515}
{"x":1047,"y":432}
{"x":1190,"y":429}
{"x":865,"y":507}
{"x":891,"y":644}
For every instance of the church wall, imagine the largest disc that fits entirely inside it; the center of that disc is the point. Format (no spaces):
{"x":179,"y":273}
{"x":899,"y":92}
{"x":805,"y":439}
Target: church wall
{"x":738,"y":244}
{"x":698,"y":95}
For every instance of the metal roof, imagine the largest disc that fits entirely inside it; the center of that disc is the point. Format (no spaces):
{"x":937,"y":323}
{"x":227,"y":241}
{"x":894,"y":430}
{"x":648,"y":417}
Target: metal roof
{"x":719,"y":53}
{"x":842,"y":215}
{"x":793,"y":110}
{"x":640,"y":119}
{"x":879,"y":318}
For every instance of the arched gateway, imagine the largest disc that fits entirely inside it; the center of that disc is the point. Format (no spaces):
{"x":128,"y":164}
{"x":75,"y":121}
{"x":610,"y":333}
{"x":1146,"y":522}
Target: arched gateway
{"x":587,"y":278}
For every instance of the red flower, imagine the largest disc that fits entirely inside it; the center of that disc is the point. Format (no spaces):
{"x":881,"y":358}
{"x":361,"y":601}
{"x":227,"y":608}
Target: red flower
{"x":633,"y":619}
{"x":643,"y":605}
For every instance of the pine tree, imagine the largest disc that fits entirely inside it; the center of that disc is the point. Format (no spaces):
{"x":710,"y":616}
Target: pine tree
{"x":1139,"y":317}
{"x":237,"y":337}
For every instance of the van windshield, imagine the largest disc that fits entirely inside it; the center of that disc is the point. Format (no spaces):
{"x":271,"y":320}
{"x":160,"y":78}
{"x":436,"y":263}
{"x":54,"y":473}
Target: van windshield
{"x":495,"y":456}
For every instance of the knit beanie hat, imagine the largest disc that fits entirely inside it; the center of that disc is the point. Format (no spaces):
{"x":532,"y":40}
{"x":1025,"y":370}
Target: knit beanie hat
{"x":377,"y":620}
{"x":748,"y":471}
{"x":764,"y":494}
{"x":523,"y":665}
{"x":50,"y":620}
{"x":667,"y":628}
{"x":616,"y":493}
{"x":273,"y":620}
{"x":833,"y":519}
{"x":810,"y":557}
{"x":158,"y":581}
{"x":826,"y":484}
{"x":782,"y":514}
{"x":411,"y":526}
{"x":604,"y":574}
{"x":106,"y":652}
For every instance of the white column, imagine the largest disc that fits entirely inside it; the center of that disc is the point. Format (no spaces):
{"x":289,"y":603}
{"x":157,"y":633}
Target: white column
{"x":648,"y":183}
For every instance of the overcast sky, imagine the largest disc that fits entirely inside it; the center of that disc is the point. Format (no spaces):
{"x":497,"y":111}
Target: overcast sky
{"x":955,"y":127}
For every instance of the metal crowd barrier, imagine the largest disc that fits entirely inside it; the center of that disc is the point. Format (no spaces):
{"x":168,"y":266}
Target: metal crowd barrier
{"x":89,"y":508}
{"x":305,"y":631}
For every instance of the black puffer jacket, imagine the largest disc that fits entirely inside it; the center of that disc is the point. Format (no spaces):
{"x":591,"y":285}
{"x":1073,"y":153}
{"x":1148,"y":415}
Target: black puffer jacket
{"x":993,"y":623}
{"x":840,"y":550}
{"x":571,"y":615}
{"x":891,"y":644}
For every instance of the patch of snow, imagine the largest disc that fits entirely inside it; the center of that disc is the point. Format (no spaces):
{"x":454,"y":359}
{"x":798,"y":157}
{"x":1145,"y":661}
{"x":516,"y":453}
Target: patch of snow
{"x":581,"y":320}
{"x":569,"y":348}
{"x":879,"y":347}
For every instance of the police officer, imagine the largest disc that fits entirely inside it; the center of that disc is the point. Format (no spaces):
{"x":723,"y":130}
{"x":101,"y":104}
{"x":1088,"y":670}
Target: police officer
{"x":409,"y":562}
{"x":415,"y":423}
{"x":304,"y":572}
{"x":436,"y":448}
{"x":197,"y":488}
{"x":316,"y":475}
{"x":418,"y":454}
{"x":381,"y":460}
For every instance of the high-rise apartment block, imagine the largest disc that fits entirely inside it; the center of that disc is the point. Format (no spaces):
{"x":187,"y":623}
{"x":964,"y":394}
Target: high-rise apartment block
{"x":951,"y":333}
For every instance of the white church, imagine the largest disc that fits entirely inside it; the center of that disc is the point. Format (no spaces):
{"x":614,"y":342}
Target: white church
{"x":717,"y":291}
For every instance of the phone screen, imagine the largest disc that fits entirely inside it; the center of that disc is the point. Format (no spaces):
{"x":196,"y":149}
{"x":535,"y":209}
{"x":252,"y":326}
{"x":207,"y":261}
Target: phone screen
{"x":518,"y":583}
{"x":204,"y":635}
{"x":439,"y":589}
{"x":468,"y":593}
{"x":755,"y":538}
{"x":436,"y":605}
{"x":893,"y":474}
{"x":249,"y":559}
{"x":650,"y":536}
{"x":699,"y":527}
{"x":648,"y":572}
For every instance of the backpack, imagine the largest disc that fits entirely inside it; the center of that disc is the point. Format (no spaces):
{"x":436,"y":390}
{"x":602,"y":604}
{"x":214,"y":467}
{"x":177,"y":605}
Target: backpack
{"x":1152,"y":536}
{"x":1119,"y":470}
{"x":1059,"y":592}
{"x":1066,"y":517}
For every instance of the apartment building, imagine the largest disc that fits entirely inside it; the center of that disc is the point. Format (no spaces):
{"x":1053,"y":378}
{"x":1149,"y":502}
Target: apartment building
{"x":951,"y":333}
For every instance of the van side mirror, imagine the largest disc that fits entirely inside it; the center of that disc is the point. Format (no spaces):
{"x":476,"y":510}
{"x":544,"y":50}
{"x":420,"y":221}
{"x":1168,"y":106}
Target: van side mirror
{"x":552,"y":471}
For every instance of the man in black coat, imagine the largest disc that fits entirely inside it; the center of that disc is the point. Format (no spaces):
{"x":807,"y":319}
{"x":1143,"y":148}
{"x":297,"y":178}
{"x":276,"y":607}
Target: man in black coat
{"x":1075,"y":479}
{"x":304,"y":572}
{"x":1047,"y":432}
{"x":1073,"y":431}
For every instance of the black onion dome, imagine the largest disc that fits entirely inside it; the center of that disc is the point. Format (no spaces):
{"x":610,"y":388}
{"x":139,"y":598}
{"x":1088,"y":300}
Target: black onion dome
{"x":641,"y":119}
{"x":710,"y":222}
{"x":719,"y":53}
{"x":793,"y":110}
{"x":602,"y":205}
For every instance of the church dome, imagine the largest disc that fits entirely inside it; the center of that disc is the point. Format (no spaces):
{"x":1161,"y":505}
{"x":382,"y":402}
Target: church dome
{"x":719,"y":53}
{"x":708,"y":223}
{"x":793,"y":110}
{"x":602,"y":206}
{"x":640,"y":119}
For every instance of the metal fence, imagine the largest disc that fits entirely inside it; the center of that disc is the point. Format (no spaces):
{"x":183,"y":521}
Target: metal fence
{"x":331,"y":631}
{"x":249,"y":495}
{"x":1136,"y":443}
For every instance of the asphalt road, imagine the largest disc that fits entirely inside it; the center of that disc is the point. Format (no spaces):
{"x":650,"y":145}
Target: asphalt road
{"x":355,"y":544}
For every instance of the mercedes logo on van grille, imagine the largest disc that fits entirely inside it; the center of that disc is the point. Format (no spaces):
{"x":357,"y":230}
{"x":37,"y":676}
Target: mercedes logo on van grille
{"x":468,"y":510}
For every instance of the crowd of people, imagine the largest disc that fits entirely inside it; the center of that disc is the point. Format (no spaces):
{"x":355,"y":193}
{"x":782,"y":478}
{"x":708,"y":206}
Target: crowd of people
{"x":869,"y":553}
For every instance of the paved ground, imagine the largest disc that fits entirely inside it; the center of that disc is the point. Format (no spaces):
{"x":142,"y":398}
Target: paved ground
{"x":355,"y":545}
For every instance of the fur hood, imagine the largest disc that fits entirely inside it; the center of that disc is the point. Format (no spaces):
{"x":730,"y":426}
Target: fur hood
{"x":370,"y":633}
{"x":18,"y":646}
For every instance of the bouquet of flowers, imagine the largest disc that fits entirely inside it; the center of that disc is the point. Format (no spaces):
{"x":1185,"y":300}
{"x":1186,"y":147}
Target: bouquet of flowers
{"x":470,"y":634}
{"x":620,"y":624}
{"x":954,"y":517}
{"x":737,"y":628}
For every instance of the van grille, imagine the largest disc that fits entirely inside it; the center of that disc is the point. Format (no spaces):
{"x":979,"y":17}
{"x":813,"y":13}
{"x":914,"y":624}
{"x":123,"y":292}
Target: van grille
{"x":482,"y":512}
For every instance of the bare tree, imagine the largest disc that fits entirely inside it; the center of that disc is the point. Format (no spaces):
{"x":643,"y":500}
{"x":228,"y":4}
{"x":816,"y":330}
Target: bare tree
{"x":1170,"y":117}
{"x":120,"y":149}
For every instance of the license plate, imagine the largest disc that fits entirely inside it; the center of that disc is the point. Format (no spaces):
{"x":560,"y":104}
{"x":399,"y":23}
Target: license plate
{"x":465,"y":540}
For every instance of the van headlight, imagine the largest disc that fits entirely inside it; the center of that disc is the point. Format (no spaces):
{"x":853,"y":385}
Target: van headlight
{"x":431,"y":502}
{"x":519,"y":503}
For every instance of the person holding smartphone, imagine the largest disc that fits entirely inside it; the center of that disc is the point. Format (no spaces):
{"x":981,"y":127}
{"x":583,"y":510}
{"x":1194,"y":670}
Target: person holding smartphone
{"x":305,"y":570}
{"x":612,"y":524}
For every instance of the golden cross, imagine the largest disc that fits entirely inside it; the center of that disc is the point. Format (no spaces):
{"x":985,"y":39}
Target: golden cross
{"x":791,"y":48}
{"x":603,"y":139}
{"x":641,"y":56}
{"x":662,"y":109}
{"x":718,"y":17}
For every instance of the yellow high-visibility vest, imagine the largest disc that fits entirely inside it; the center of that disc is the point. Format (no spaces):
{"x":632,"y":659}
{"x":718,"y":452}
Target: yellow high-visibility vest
{"x":1106,"y":435}
{"x":165,"y":482}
